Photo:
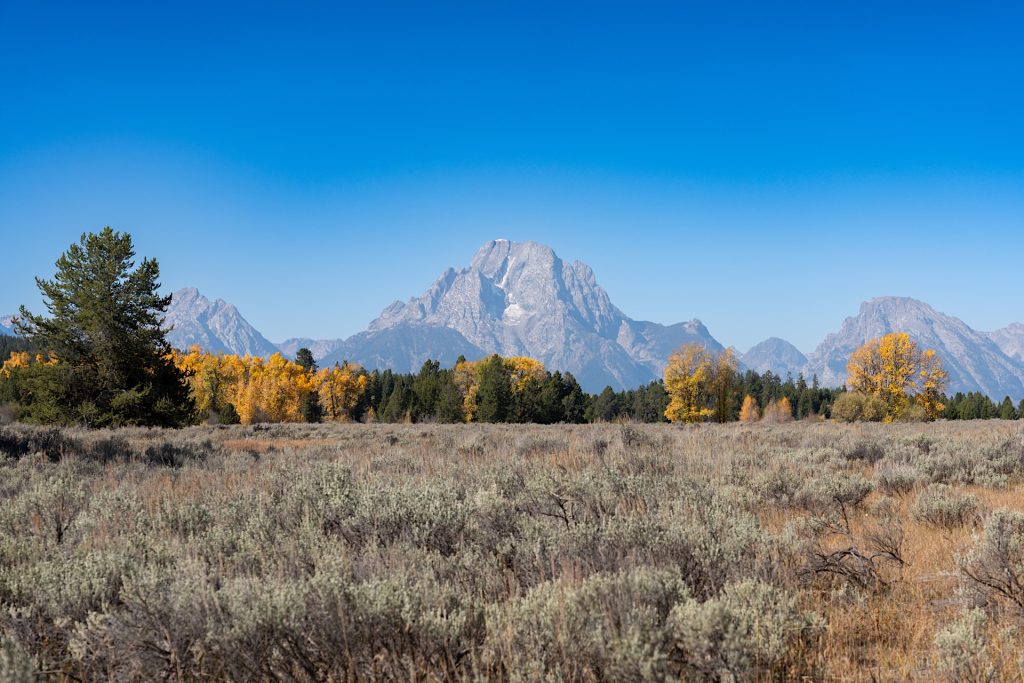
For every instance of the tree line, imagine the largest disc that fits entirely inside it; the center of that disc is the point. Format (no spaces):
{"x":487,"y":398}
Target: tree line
{"x":100,"y":358}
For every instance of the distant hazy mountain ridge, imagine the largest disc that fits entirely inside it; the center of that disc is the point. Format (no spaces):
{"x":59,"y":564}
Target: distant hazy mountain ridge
{"x":1010,"y":340}
{"x":214,"y":325}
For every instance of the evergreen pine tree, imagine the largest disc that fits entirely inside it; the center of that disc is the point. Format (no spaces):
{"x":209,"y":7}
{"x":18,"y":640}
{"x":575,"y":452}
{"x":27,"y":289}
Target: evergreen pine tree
{"x":228,"y":415}
{"x":1006,"y":410}
{"x":304,"y":357}
{"x":574,"y":401}
{"x":604,"y":407}
{"x":449,"y":402}
{"x":310,"y":409}
{"x":426,"y":389}
{"x":105,"y":328}
{"x":494,"y":393}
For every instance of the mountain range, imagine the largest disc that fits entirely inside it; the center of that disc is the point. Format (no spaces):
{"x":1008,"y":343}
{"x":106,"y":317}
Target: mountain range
{"x":7,"y":325}
{"x":520,"y":298}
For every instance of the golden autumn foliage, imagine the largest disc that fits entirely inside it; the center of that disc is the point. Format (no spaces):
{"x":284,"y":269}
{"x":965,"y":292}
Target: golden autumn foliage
{"x":339,"y":389}
{"x":467,"y":381}
{"x":18,"y":359}
{"x":893,"y":369}
{"x":931,"y":383}
{"x":749,"y":411}
{"x":686,"y":381}
{"x":270,"y":390}
{"x":699,"y":384}
{"x":23,"y":359}
{"x":522,"y":370}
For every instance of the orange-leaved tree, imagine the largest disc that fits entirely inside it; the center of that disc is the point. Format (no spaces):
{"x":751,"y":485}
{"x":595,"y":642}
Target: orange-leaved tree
{"x":749,"y":411}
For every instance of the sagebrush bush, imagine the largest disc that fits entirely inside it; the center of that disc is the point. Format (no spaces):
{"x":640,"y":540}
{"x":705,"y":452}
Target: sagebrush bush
{"x":962,"y":650}
{"x":942,"y":506}
{"x":897,"y":478}
{"x":748,"y":631}
{"x":995,"y":566}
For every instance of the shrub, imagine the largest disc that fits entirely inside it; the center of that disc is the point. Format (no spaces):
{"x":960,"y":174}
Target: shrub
{"x":852,"y":406}
{"x":15,"y":664}
{"x":609,"y":627}
{"x":914,"y":413}
{"x":962,"y":649}
{"x":750,"y":631}
{"x":834,"y":489}
{"x":941,"y":506}
{"x":896,"y":478}
{"x":995,"y":567}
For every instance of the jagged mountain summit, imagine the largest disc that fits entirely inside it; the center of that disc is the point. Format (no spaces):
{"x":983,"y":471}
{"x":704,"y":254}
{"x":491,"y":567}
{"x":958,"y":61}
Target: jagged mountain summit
{"x":973,"y":360}
{"x":214,"y":325}
{"x":7,"y":325}
{"x":1010,"y":340}
{"x":520,"y":298}
{"x":777,"y":355}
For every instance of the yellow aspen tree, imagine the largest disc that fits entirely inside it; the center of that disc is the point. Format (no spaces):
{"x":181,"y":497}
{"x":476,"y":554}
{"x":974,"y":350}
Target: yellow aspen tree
{"x":749,"y":411}
{"x":339,"y":389}
{"x":18,"y":359}
{"x":467,"y":380}
{"x":932,"y":382}
{"x":721,"y":385}
{"x":522,"y":370}
{"x":246,"y":393}
{"x":209,"y":377}
{"x":893,"y":369}
{"x":686,"y":381}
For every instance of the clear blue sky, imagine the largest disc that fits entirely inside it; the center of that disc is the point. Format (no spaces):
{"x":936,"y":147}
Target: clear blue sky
{"x":763,"y":167}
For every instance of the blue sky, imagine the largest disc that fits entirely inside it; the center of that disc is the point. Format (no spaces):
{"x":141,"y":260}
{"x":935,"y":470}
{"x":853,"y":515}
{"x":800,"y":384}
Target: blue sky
{"x":763,"y":167}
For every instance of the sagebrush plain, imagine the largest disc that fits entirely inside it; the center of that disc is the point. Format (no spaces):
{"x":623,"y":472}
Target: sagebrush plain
{"x":801,"y":551}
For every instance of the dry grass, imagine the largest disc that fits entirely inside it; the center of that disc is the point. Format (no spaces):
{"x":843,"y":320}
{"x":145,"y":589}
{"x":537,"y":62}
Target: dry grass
{"x":592,"y":552}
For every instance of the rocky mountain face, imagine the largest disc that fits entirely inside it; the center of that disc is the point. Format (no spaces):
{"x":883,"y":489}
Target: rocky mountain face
{"x":973,"y":360}
{"x":214,"y":325}
{"x":1010,"y":340}
{"x":520,"y":298}
{"x":777,"y":355}
{"x":7,"y":324}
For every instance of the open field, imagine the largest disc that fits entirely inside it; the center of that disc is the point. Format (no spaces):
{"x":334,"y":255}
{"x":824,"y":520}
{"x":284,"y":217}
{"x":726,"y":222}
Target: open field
{"x":593,"y":552}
